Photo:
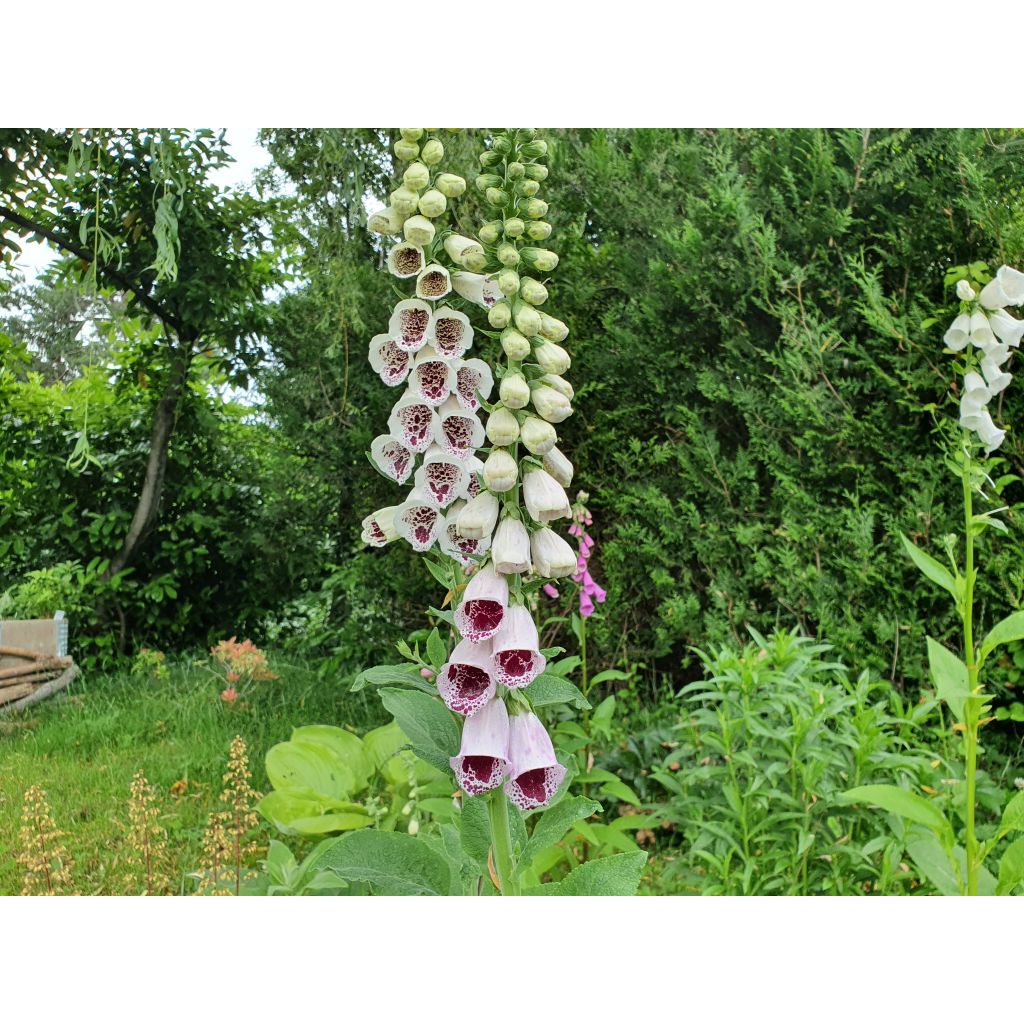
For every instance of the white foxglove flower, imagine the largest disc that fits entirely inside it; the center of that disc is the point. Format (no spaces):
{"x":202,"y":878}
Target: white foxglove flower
{"x":560,"y":384}
{"x":386,"y":222}
{"x":514,"y":345}
{"x":558,"y":466}
{"x":411,"y":324}
{"x":457,"y":431}
{"x":476,"y":288}
{"x":959,"y":333}
{"x":478,"y":517}
{"x":552,"y":328}
{"x":453,"y":334}
{"x":432,"y":377}
{"x":502,"y":427}
{"x":379,"y":528}
{"x":501,"y":471}
{"x":392,"y":458}
{"x":965,"y":292}
{"x":441,"y":478}
{"x":433,"y":152}
{"x":976,"y":395}
{"x":459,"y":246}
{"x":510,"y":550}
{"x":544,"y":497}
{"x":994,"y":376}
{"x":981,"y":333}
{"x":433,"y":283}
{"x":552,"y":556}
{"x":463,"y":549}
{"x":538,"y":436}
{"x":389,"y":362}
{"x":418,"y":230}
{"x":992,"y":296}
{"x":413,"y":422}
{"x":419,"y":521}
{"x":533,"y":292}
{"x":1011,"y":282}
{"x":473,"y":381}
{"x":499,"y":316}
{"x":406,"y":260}
{"x":970,"y":413}
{"x":552,"y":358}
{"x":1007,"y":329}
{"x":514,"y":391}
{"x":989,"y":434}
{"x":527,"y":319}
{"x":551,"y":405}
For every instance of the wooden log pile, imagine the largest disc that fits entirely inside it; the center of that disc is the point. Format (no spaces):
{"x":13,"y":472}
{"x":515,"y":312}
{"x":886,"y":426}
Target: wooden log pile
{"x":33,"y":677}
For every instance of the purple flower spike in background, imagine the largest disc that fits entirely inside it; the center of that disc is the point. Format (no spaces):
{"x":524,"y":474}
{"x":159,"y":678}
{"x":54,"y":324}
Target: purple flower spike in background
{"x":534,"y":772}
{"x":482,"y":762}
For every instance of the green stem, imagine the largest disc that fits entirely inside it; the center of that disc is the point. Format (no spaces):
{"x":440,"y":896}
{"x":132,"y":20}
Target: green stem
{"x":501,"y":842}
{"x":970,"y":706}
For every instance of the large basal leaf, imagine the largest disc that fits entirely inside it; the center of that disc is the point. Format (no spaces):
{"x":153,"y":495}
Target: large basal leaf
{"x":306,"y":815}
{"x":899,"y":801}
{"x":552,"y":825}
{"x":618,"y":875}
{"x":383,"y":743}
{"x":428,"y":724}
{"x":1009,"y":629}
{"x":391,"y":863}
{"x":551,"y":689}
{"x":949,"y":674}
{"x":345,"y":746}
{"x":310,"y":767}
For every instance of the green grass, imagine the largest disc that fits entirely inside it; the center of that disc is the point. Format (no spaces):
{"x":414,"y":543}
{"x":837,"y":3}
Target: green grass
{"x":84,"y":747}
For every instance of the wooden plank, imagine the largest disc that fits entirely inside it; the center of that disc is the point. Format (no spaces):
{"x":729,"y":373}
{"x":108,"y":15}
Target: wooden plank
{"x":32,"y":677}
{"x":42,"y":692}
{"x":39,"y":665}
{"x":12,"y":693}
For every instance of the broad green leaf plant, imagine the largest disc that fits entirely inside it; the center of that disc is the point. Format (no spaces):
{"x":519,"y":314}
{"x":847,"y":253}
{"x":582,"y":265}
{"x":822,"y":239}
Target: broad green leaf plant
{"x":982,"y":339}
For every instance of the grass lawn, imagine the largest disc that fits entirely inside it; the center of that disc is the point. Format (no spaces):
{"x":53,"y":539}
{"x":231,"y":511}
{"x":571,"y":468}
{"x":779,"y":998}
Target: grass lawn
{"x":84,"y":747}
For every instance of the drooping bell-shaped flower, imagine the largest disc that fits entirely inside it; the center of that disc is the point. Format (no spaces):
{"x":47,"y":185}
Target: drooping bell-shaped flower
{"x":386,"y":222}
{"x":544,"y":496}
{"x":406,"y":260}
{"x":502,"y":427}
{"x":552,"y":358}
{"x":514,"y":392}
{"x":405,"y":201}
{"x":477,"y":519}
{"x":453,"y":334}
{"x":560,"y":384}
{"x":467,"y":681}
{"x":411,"y":324}
{"x":514,"y":345}
{"x":418,"y":520}
{"x":552,"y":328}
{"x":432,"y":377}
{"x":418,"y":230}
{"x":482,"y":762}
{"x":534,"y":771}
{"x":392,"y":458}
{"x":538,"y":435}
{"x":433,"y":203}
{"x":474,"y":467}
{"x":550,"y":404}
{"x":441,"y":477}
{"x":501,"y":471}
{"x":510,"y":550}
{"x":473,"y":380}
{"x":516,"y":649}
{"x":992,"y":295}
{"x":981,"y":333}
{"x":552,"y":556}
{"x":476,"y":288}
{"x":462,"y":549}
{"x":458,"y":432}
{"x":416,"y":176}
{"x":389,"y":362}
{"x":1011,"y":282}
{"x":413,"y":422}
{"x":459,"y":246}
{"x":433,"y":283}
{"x":959,"y":333}
{"x":1006,"y":328}
{"x":450,"y":185}
{"x":988,"y":433}
{"x":483,"y":606}
{"x":558,"y":466}
{"x":379,"y":528}
{"x":994,"y":377}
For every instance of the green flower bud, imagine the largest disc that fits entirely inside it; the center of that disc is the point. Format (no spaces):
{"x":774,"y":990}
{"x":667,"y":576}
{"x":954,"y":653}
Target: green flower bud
{"x":538,"y":230}
{"x":500,"y":471}
{"x":533,"y":292}
{"x":490,"y":232}
{"x":527,"y":320}
{"x":417,"y":177}
{"x":406,"y":150}
{"x":433,"y":152}
{"x":485,"y":181}
{"x":538,"y":436}
{"x":499,"y":197}
{"x":515,"y":170}
{"x":500,"y":315}
{"x":459,"y":247}
{"x":433,"y":203}
{"x":551,"y":405}
{"x":535,"y":209}
{"x":450,"y":185}
{"x":560,"y":384}
{"x":552,"y":358}
{"x":536,"y":172}
{"x":514,"y":227}
{"x":527,"y":187}
{"x":405,"y":200}
{"x":412,"y":134}
{"x":508,"y":282}
{"x":502,"y":427}
{"x":514,"y":391}
{"x":514,"y":345}
{"x":489,"y":159}
{"x":475,"y":261}
{"x":535,"y":150}
{"x":501,"y":144}
{"x":385,"y":222}
{"x":541,"y":259}
{"x":419,"y":231}
{"x":527,"y":134}
{"x":508,"y":255}
{"x":553,"y":329}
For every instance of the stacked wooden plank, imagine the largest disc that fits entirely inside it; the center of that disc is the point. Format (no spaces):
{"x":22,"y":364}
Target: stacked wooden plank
{"x":33,"y":662}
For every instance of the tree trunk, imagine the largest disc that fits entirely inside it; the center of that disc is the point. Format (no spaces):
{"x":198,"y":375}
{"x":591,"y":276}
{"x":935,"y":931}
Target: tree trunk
{"x":147,"y":510}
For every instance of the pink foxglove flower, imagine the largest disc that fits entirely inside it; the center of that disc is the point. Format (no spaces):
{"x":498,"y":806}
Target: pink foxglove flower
{"x":379,"y":528}
{"x":510,"y":551}
{"x":453,"y":334}
{"x":463,"y":549}
{"x":483,"y":606}
{"x":544,"y":497}
{"x":419,"y":521}
{"x":389,"y":362}
{"x":413,"y":422}
{"x":534,"y":771}
{"x":467,"y":681}
{"x":473,"y":379}
{"x":432,"y":377}
{"x":482,"y":762}
{"x":441,"y":477}
{"x":516,"y":649}
{"x":458,"y":432}
{"x":411,"y":324}
{"x":392,"y":458}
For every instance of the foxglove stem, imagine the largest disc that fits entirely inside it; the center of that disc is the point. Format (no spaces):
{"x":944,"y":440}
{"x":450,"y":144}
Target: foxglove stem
{"x":970,"y":706}
{"x":501,"y":842}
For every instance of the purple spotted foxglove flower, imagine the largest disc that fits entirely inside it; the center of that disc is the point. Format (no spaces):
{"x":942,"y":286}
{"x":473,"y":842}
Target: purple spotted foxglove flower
{"x":534,"y":771}
{"x":419,"y":520}
{"x":413,"y":422}
{"x":389,"y":362}
{"x":544,"y":496}
{"x":433,"y":283}
{"x":510,"y":549}
{"x":411,"y":324}
{"x":453,"y":335}
{"x":482,"y":762}
{"x":473,"y":380}
{"x":457,"y":431}
{"x":441,"y":477}
{"x":432,"y":377}
{"x":483,"y":606}
{"x":392,"y":458}
{"x":516,"y":649}
{"x":467,"y":681}
{"x":465,"y":550}
{"x":379,"y":528}
{"x":406,"y":260}
{"x":476,"y":288}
